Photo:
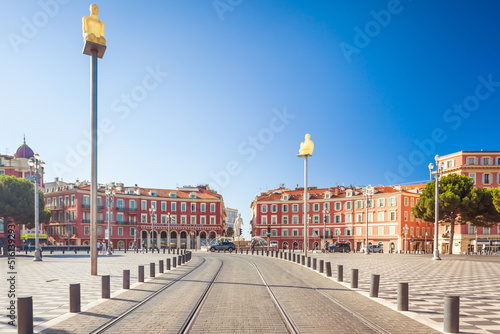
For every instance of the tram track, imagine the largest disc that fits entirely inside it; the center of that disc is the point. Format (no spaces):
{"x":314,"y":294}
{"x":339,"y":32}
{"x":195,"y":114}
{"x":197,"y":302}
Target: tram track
{"x":288,"y":319}
{"x":123,"y":315}
{"x":193,"y":314}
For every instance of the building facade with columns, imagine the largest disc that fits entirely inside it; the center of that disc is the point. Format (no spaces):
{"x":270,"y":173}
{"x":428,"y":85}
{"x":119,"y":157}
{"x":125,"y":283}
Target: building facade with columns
{"x":185,"y":217}
{"x":338,"y":214}
{"x":484,"y":169}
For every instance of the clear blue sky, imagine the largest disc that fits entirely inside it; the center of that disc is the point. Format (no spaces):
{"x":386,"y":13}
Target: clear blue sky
{"x":368,"y":80}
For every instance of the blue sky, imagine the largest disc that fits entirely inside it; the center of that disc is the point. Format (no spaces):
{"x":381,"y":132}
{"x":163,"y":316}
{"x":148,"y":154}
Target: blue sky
{"x":222,"y":92}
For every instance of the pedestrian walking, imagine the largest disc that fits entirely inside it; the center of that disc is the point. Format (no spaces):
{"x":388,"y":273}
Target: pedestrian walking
{"x":98,"y":247}
{"x":104,"y":248}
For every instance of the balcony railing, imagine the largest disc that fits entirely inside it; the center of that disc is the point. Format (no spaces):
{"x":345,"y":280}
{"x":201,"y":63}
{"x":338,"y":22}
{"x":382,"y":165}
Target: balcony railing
{"x":120,"y":208}
{"x":85,"y":206}
{"x":132,"y":209}
{"x":86,"y":221}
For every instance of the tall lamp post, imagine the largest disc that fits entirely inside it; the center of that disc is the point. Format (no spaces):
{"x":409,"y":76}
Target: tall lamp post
{"x":305,"y":151}
{"x":168,"y":230}
{"x":368,"y":194}
{"x":94,"y":46}
{"x":405,"y":231}
{"x":37,"y":166}
{"x":437,"y":177}
{"x":110,"y":195}
{"x":152,"y":211}
{"x":325,"y":213}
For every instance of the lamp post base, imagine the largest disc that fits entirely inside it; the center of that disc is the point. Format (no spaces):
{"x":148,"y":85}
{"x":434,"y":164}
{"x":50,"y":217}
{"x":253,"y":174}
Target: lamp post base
{"x":37,"y":256}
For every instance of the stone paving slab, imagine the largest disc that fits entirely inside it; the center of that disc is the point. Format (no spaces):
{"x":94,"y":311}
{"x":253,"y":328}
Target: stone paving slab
{"x":48,"y":281}
{"x":470,"y":277}
{"x":239,"y":302}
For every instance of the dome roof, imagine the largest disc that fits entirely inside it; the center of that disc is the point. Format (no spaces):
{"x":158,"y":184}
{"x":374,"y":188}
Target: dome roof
{"x":24,"y":151}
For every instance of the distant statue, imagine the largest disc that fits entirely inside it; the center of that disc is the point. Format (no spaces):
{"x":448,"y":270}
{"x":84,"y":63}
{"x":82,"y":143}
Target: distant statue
{"x":307,"y":146}
{"x":237,"y":224}
{"x":93,"y":29}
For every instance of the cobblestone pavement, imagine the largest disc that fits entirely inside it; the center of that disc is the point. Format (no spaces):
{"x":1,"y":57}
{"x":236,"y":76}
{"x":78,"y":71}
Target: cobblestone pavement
{"x":48,"y":281}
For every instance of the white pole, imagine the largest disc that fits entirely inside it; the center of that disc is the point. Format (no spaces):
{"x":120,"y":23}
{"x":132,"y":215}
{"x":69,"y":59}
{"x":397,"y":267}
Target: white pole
{"x":436,"y":217}
{"x":305,"y":208}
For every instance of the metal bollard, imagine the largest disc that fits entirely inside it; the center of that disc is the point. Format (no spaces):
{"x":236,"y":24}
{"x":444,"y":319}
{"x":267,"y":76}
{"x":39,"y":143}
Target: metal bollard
{"x":354,"y":279}
{"x":168,"y":264}
{"x":308,"y":262}
{"x":374,"y":284}
{"x":403,"y":296}
{"x":163,"y":250}
{"x":179,"y":260}
{"x":314,"y":264}
{"x":126,"y":279}
{"x":74,"y":298}
{"x":247,"y":251}
{"x":174,"y":262}
{"x":451,"y":314}
{"x":285,"y":254}
{"x":321,"y":266}
{"x":63,"y":251}
{"x":257,"y":252}
{"x":272,"y":253}
{"x":140,"y":276}
{"x":340,"y":273}
{"x":328,"y":269}
{"x":177,"y":251}
{"x":25,"y":315}
{"x":105,"y":286}
{"x":303,"y":260}
{"x":168,"y":251}
{"x":183,"y":258}
{"x":293,"y":257}
{"x":160,"y":266}
{"x":281,"y":255}
{"x":152,"y":269}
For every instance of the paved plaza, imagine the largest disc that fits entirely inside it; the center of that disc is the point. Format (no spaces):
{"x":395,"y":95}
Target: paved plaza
{"x":473,"y":278}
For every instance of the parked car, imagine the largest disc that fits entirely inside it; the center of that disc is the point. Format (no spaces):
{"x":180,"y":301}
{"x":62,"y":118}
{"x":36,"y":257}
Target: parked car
{"x":373,"y":249}
{"x":339,"y":248}
{"x":225,"y":245}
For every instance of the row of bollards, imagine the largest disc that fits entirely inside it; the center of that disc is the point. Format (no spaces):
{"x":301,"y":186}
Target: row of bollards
{"x":451,"y":303}
{"x":25,"y":304}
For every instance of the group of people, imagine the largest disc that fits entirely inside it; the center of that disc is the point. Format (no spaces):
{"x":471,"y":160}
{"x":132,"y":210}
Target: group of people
{"x":101,"y":248}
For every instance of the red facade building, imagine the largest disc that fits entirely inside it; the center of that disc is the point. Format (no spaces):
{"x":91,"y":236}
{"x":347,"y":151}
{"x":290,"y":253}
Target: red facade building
{"x":186,"y":217}
{"x":339,"y":214}
{"x":484,"y":169}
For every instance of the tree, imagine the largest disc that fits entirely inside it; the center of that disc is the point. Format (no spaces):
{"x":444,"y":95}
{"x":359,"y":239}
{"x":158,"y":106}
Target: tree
{"x":230,"y":231}
{"x":459,"y":203}
{"x":495,"y":192}
{"x":17,"y":201}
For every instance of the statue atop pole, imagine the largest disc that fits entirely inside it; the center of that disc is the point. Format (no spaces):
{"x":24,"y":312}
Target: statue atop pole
{"x":93,"y":33}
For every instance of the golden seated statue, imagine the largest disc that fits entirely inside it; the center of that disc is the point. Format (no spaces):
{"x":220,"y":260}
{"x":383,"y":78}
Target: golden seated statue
{"x":93,"y":28}
{"x":307,"y":146}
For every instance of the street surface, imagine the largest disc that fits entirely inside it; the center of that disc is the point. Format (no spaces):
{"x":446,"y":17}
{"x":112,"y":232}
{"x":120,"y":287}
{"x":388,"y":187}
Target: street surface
{"x":239,"y":301}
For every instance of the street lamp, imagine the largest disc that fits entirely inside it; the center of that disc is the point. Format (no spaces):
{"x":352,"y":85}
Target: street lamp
{"x":325,"y":212}
{"x":405,"y":231}
{"x":437,"y":177}
{"x":152,"y":211}
{"x":37,"y":165}
{"x":168,"y":230}
{"x":306,"y":150}
{"x":368,"y":194}
{"x":110,"y":195}
{"x":425,"y":243}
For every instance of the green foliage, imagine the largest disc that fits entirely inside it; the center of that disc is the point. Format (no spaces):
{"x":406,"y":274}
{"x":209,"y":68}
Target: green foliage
{"x":459,"y":203}
{"x":481,"y":210}
{"x":17,"y":201}
{"x":229,"y":231}
{"x":496,"y":198}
